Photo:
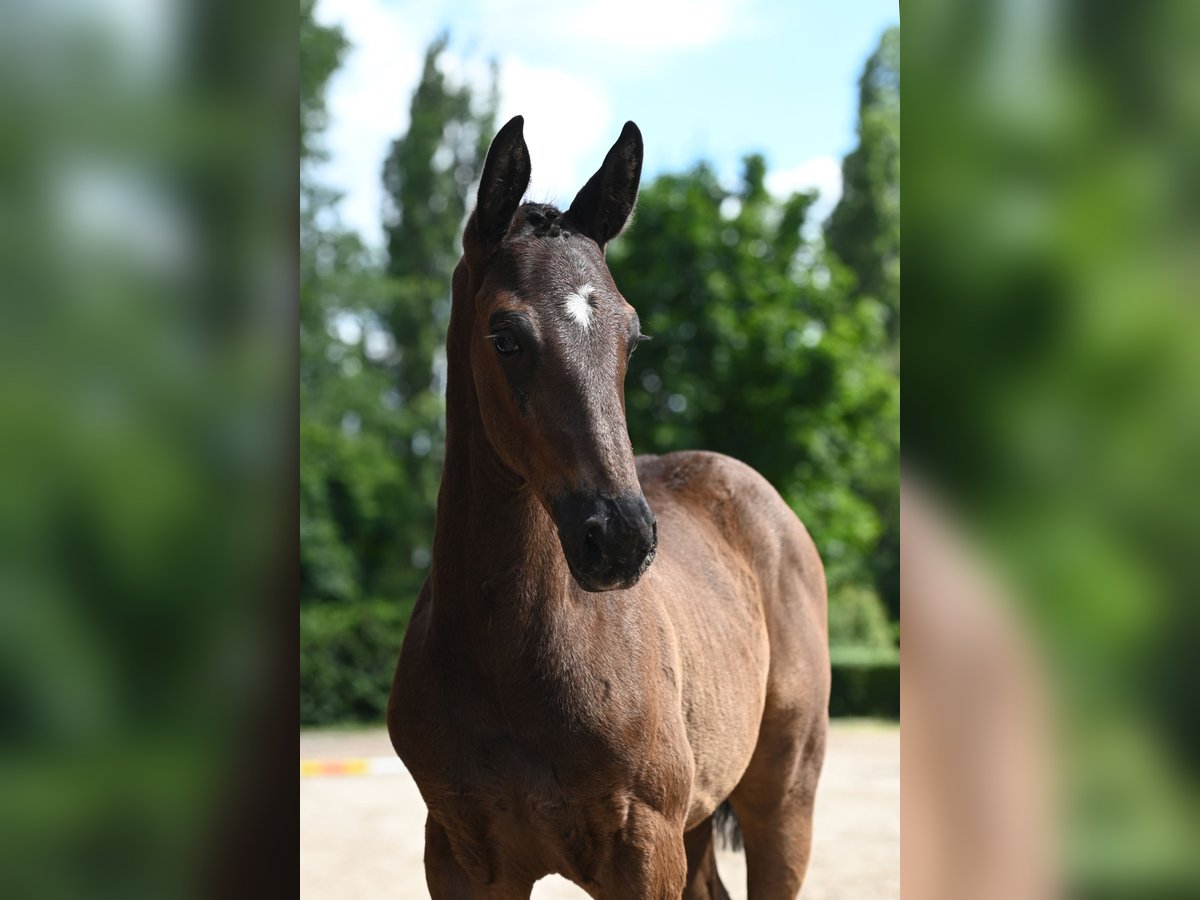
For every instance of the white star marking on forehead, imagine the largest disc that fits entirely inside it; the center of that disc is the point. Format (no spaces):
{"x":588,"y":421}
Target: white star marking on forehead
{"x":578,"y":309}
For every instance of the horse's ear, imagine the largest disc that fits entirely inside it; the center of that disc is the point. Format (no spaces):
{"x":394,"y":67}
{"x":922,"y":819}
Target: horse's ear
{"x":603,"y":205}
{"x":505,"y":178}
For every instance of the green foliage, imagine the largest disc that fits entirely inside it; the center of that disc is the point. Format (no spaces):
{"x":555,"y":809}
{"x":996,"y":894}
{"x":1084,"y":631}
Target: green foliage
{"x":1053,"y":249}
{"x":858,"y":619}
{"x":864,"y":229}
{"x":347,"y":655}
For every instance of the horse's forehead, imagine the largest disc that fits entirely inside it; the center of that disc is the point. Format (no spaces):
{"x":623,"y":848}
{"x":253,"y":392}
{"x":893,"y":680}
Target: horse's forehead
{"x":551,"y":269}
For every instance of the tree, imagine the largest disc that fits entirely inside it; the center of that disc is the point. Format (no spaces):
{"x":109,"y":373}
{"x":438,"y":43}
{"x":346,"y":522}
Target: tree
{"x":428,"y":177}
{"x":371,"y":330}
{"x":864,"y":234}
{"x":326,"y":564}
{"x":321,"y":52}
{"x":864,"y":229}
{"x":430,"y":170}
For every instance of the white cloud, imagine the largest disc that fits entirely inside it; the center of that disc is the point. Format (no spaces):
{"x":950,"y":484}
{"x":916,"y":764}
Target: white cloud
{"x":663,"y":25}
{"x":822,"y":173}
{"x":367,"y":100}
{"x":568,"y":119}
{"x":568,"y":126}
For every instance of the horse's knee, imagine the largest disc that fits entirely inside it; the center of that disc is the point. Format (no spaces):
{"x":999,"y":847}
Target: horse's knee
{"x":449,"y":879}
{"x":649,"y":859}
{"x":443,"y":873}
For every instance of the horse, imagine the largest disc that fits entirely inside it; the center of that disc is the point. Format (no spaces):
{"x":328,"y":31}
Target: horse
{"x":609,"y":652}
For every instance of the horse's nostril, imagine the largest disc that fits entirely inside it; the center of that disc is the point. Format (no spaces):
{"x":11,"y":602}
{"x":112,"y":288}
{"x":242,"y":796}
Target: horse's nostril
{"x":593,"y":531}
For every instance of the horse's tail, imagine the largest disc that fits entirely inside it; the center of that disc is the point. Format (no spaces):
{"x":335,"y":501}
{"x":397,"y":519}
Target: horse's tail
{"x":726,"y":827}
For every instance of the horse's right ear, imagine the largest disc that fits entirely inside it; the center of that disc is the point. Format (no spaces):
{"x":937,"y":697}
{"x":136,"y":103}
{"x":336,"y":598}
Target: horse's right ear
{"x":505,"y":178}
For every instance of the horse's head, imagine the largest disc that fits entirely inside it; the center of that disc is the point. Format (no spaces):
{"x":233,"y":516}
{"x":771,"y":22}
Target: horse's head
{"x":550,"y":341}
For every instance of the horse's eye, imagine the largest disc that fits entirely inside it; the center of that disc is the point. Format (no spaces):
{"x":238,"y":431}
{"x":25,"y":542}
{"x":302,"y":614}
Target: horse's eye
{"x":505,"y":342}
{"x":633,"y":345}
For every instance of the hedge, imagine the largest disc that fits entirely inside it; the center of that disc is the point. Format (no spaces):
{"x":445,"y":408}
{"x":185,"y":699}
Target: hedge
{"x":866,"y":682}
{"x":348,"y":653}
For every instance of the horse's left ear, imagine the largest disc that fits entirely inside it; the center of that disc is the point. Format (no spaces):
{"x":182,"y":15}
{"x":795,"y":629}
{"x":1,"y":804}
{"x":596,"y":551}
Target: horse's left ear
{"x":603,"y":205}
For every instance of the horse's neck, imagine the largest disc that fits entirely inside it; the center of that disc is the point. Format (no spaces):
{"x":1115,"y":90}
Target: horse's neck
{"x":487,"y":523}
{"x":495,"y":549}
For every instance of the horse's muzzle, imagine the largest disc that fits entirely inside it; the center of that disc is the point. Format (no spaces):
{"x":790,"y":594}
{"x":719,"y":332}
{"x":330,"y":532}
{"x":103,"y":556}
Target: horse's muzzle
{"x":608,"y":542}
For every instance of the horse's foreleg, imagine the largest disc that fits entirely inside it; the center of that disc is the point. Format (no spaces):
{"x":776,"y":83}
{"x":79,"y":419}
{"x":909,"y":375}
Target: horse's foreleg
{"x":776,"y":820}
{"x":703,"y":882}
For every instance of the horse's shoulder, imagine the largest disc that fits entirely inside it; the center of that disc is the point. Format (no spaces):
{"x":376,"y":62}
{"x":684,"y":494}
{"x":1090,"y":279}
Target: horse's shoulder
{"x":733,"y":497}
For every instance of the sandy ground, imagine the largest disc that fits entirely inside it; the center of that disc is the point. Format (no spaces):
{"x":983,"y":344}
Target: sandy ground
{"x":362,"y":837}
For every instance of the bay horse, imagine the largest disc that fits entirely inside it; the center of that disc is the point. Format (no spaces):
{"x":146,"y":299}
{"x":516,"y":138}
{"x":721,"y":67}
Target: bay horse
{"x":607,"y":649}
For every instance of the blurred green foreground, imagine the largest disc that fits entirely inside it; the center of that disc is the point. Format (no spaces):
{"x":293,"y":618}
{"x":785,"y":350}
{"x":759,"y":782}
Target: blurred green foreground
{"x":1052,"y":269}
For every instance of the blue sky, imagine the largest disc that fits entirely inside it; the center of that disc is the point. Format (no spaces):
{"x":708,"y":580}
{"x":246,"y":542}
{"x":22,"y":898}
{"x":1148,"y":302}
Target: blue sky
{"x":704,"y":79}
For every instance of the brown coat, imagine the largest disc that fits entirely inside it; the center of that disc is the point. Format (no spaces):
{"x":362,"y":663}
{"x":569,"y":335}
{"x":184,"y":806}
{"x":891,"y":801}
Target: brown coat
{"x":593,"y":733}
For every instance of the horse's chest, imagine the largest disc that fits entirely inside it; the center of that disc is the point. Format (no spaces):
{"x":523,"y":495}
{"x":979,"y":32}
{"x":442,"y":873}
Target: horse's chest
{"x":539,"y":771}
{"x":535,"y":815}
